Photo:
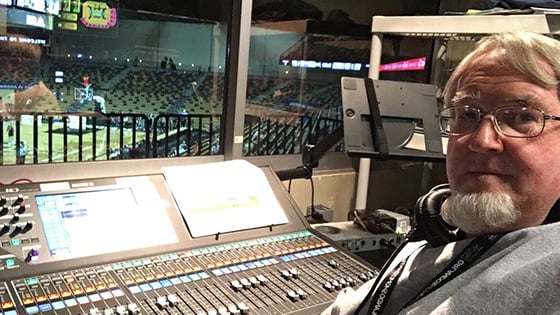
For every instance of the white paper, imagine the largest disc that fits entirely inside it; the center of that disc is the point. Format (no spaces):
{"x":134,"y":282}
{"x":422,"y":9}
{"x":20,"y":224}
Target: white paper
{"x":223,"y":197}
{"x":540,"y":10}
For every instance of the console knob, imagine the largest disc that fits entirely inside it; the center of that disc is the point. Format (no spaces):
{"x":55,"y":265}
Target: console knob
{"x":28,"y":226}
{"x":21,"y":208}
{"x":3,"y":200}
{"x":15,"y":218}
{"x":32,"y":255}
{"x":4,"y":210}
{"x":5,"y":228}
{"x":18,"y":200}
{"x":16,"y":231}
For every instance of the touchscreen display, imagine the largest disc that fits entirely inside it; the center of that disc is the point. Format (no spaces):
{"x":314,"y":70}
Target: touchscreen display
{"x":100,"y":222}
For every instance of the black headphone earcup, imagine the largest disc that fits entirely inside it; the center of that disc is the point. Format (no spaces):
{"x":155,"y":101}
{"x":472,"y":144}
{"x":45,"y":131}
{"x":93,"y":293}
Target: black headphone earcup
{"x":429,"y":224}
{"x":553,"y":214}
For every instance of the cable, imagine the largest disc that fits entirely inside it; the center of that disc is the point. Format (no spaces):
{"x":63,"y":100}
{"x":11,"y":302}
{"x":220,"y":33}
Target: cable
{"x":290,"y":186}
{"x":387,"y":227}
{"x":310,"y":215}
{"x":312,"y":197}
{"x":19,"y":180}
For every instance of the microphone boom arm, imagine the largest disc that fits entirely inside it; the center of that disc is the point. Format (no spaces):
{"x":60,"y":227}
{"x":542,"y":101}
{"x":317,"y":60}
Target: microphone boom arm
{"x":311,"y":155}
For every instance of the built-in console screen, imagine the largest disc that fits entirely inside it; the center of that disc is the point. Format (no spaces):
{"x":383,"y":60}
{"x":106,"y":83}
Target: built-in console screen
{"x":102,"y":221}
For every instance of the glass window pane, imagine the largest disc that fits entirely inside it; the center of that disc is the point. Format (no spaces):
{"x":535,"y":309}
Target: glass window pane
{"x":293,"y":89}
{"x":298,"y":53}
{"x":97,"y":80}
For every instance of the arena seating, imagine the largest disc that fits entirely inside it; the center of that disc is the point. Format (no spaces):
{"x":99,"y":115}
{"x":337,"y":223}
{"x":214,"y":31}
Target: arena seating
{"x":282,"y":114}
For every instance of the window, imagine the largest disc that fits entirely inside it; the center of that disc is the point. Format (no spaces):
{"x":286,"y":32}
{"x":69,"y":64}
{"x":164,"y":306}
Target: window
{"x":293,"y":88}
{"x":98,"y":80}
{"x":299,"y":50}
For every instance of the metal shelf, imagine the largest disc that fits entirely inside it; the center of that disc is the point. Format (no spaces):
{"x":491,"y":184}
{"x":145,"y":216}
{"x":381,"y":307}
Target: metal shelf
{"x":446,"y":26}
{"x":455,"y":27}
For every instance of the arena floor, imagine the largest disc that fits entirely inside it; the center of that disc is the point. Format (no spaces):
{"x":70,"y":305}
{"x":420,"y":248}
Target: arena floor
{"x":71,"y":146}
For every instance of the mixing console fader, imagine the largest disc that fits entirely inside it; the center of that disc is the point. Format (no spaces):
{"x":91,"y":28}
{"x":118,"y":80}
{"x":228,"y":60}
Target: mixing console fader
{"x":123,"y":246}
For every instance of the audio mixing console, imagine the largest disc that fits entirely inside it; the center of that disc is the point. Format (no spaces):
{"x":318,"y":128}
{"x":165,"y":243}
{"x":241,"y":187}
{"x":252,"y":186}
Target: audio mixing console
{"x":125,"y":245}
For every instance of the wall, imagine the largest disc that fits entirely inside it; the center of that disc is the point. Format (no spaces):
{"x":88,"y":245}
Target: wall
{"x":392,"y":184}
{"x":335,"y":190}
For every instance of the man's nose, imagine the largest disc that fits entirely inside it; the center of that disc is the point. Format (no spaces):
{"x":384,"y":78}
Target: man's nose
{"x":486,"y":138}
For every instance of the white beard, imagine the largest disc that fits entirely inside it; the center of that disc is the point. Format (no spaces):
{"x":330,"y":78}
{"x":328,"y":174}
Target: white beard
{"x":481,"y":212}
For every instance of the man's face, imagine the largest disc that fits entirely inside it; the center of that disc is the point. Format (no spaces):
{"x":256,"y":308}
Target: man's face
{"x":486,"y":161}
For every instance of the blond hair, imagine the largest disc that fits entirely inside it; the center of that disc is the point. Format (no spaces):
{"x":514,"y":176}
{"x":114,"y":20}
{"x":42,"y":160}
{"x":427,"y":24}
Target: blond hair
{"x":522,"y":52}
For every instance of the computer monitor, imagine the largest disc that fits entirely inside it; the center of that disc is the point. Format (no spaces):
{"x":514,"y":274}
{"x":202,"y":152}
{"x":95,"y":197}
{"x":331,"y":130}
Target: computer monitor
{"x":391,"y":120}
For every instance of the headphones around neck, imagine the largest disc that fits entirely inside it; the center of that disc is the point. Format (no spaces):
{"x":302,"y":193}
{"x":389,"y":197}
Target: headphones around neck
{"x":429,"y":224}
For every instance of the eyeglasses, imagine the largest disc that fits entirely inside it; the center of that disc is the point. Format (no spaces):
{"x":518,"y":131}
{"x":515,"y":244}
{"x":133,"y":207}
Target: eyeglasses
{"x":510,"y":121}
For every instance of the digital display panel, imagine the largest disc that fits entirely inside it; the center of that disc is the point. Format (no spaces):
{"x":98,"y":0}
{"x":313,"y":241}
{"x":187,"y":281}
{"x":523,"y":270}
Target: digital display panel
{"x":35,"y":5}
{"x":42,"y":6}
{"x":17,"y":16}
{"x":92,"y":18}
{"x":52,"y":6}
{"x":100,"y":222}
{"x":405,"y":65}
{"x":408,"y":59}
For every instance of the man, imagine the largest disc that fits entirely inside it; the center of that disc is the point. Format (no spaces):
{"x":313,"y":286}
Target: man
{"x":22,"y":152}
{"x":10,"y":130}
{"x":502,"y":117}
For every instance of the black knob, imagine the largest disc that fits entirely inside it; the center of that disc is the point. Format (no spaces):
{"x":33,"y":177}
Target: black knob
{"x":18,"y":200}
{"x":16,"y":231}
{"x":4,"y":210}
{"x":3,"y":200}
{"x":5,"y":228}
{"x":15,"y":218}
{"x":28,"y":226}
{"x":21,"y":208}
